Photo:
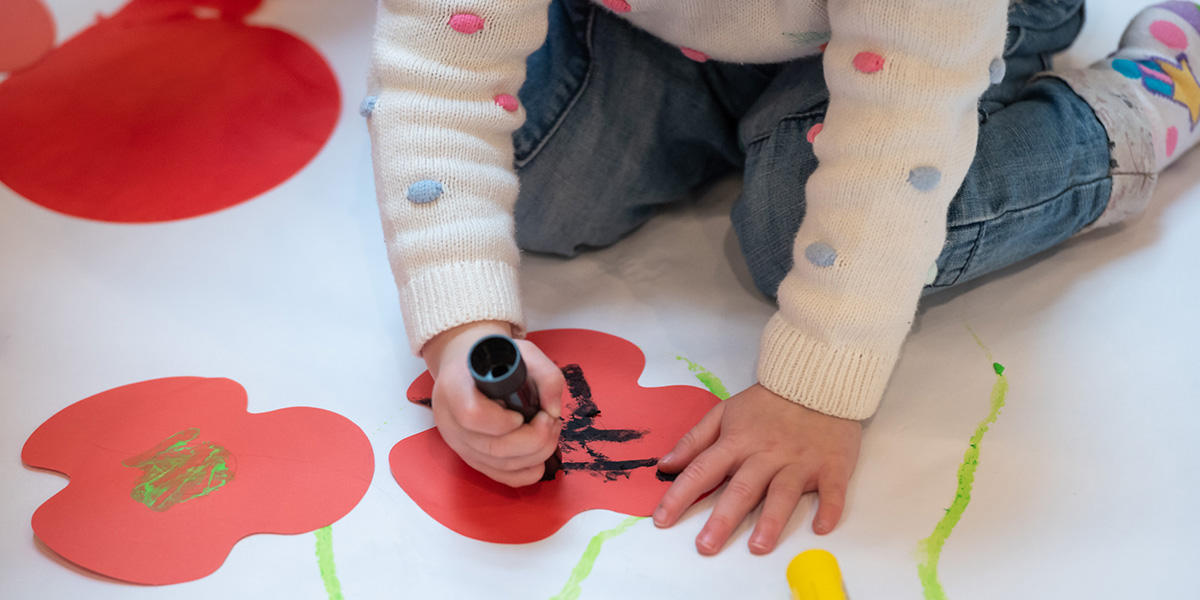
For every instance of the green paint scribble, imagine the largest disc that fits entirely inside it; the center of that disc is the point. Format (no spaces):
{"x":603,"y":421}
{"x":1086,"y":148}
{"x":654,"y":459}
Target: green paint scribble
{"x":710,"y":381}
{"x":573,"y":587}
{"x":810,"y":37}
{"x":333,"y":587}
{"x":179,"y":469}
{"x":931,"y":547}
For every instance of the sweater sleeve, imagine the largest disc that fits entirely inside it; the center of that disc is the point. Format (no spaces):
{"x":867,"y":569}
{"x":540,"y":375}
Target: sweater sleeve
{"x":443,"y":107}
{"x":904,"y":77}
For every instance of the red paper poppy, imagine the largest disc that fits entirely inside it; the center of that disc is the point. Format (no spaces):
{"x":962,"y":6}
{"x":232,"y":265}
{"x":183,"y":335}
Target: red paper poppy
{"x":167,"y":475}
{"x":167,"y":110}
{"x":613,"y":433}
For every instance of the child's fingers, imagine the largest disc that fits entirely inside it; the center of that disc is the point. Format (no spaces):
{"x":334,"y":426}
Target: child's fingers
{"x":490,"y":464}
{"x":831,"y":493}
{"x":511,"y":465}
{"x":740,"y":496}
{"x":481,"y":415}
{"x":546,"y":375}
{"x":536,"y":438}
{"x":519,"y":478}
{"x":783,"y":495}
{"x":695,"y":441}
{"x":702,"y":475}
{"x":551,"y":428}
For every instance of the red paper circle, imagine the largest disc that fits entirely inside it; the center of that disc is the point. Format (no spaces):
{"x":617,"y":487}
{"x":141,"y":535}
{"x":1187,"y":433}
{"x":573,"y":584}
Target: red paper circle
{"x":157,"y":114}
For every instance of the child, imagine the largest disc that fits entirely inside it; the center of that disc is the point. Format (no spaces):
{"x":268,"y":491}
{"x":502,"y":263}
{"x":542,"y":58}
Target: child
{"x":888,"y":149}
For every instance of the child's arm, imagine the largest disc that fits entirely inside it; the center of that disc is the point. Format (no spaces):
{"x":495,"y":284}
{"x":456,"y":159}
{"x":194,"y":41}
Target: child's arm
{"x":442,"y":74}
{"x":445,"y":76}
{"x":904,"y":77}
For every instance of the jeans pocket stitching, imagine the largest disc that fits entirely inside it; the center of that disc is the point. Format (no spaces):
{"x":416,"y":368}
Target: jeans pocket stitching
{"x":583,"y":84}
{"x":970,"y":255}
{"x":1013,"y":42}
{"x":817,"y":113}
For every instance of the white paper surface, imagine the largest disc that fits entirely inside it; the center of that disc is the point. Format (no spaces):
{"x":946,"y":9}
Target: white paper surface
{"x":1087,"y":487}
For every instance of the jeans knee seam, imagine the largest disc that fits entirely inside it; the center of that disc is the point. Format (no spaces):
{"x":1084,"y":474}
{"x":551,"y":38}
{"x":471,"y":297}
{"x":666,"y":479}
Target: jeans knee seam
{"x":982,"y":223}
{"x":587,"y":77}
{"x":1053,"y":198}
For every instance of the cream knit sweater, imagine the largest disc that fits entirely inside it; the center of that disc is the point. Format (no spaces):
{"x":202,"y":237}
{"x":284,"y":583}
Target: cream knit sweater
{"x":904,"y":78}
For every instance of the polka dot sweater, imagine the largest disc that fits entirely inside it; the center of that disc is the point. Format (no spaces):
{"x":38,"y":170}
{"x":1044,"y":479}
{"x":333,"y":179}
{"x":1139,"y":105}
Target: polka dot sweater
{"x":904,"y":78}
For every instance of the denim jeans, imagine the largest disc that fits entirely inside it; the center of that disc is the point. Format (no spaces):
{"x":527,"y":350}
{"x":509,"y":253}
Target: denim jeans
{"x":620,"y":123}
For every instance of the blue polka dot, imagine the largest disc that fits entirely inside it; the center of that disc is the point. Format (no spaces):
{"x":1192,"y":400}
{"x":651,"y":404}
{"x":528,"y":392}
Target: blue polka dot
{"x":426,"y":190}
{"x":820,"y":254}
{"x":1127,"y":68}
{"x":368,"y":106}
{"x":925,"y":178}
{"x":997,"y":69}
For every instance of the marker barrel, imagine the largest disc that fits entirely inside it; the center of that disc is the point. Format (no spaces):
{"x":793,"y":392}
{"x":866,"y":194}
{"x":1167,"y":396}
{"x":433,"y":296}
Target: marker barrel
{"x":499,"y":371}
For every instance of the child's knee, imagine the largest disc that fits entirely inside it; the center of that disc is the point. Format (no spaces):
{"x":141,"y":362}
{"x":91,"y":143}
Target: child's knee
{"x":565,"y":222}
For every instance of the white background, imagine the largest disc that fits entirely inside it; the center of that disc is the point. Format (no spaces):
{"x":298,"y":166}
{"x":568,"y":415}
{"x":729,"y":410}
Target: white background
{"x":1087,"y":485}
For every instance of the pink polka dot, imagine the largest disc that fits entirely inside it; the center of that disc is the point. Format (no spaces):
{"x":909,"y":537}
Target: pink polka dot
{"x":812,"y":133}
{"x":507,"y":102}
{"x":1169,"y":34}
{"x":868,"y":62}
{"x":466,"y":23}
{"x":695,"y":55}
{"x":618,"y":6}
{"x":1172,"y":141}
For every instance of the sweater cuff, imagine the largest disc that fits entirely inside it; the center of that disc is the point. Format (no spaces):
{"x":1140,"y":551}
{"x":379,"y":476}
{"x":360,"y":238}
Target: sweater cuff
{"x":446,"y":296}
{"x":841,"y":382}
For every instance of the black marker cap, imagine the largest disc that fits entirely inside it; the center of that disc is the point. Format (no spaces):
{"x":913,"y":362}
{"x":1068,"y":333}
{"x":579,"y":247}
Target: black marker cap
{"x":497,"y":366}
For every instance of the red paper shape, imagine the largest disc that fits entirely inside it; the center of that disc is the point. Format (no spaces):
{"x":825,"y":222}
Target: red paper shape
{"x":167,"y":475}
{"x":26,"y":33}
{"x":170,"y":109}
{"x":613,"y":433}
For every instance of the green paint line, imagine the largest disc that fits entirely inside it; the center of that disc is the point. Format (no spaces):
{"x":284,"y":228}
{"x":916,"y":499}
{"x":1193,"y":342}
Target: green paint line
{"x":333,"y":587}
{"x":710,"y":381}
{"x":573,"y":587}
{"x":380,"y":428}
{"x":179,"y":469}
{"x":980,"y":343}
{"x":929,"y":550}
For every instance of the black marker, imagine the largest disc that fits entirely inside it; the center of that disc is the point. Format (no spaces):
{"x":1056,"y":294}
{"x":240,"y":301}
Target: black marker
{"x":499,"y":371}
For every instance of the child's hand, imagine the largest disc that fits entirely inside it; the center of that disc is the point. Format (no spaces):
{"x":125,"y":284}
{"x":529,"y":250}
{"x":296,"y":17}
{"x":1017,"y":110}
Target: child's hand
{"x":767,"y":445}
{"x":491,"y":439}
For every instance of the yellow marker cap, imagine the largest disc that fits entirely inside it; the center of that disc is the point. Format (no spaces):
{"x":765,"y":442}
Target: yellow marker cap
{"x":814,"y":575}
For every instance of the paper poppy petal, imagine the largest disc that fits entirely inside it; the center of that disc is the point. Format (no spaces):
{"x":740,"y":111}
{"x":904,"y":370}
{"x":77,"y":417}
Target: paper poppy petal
{"x":294,"y":470}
